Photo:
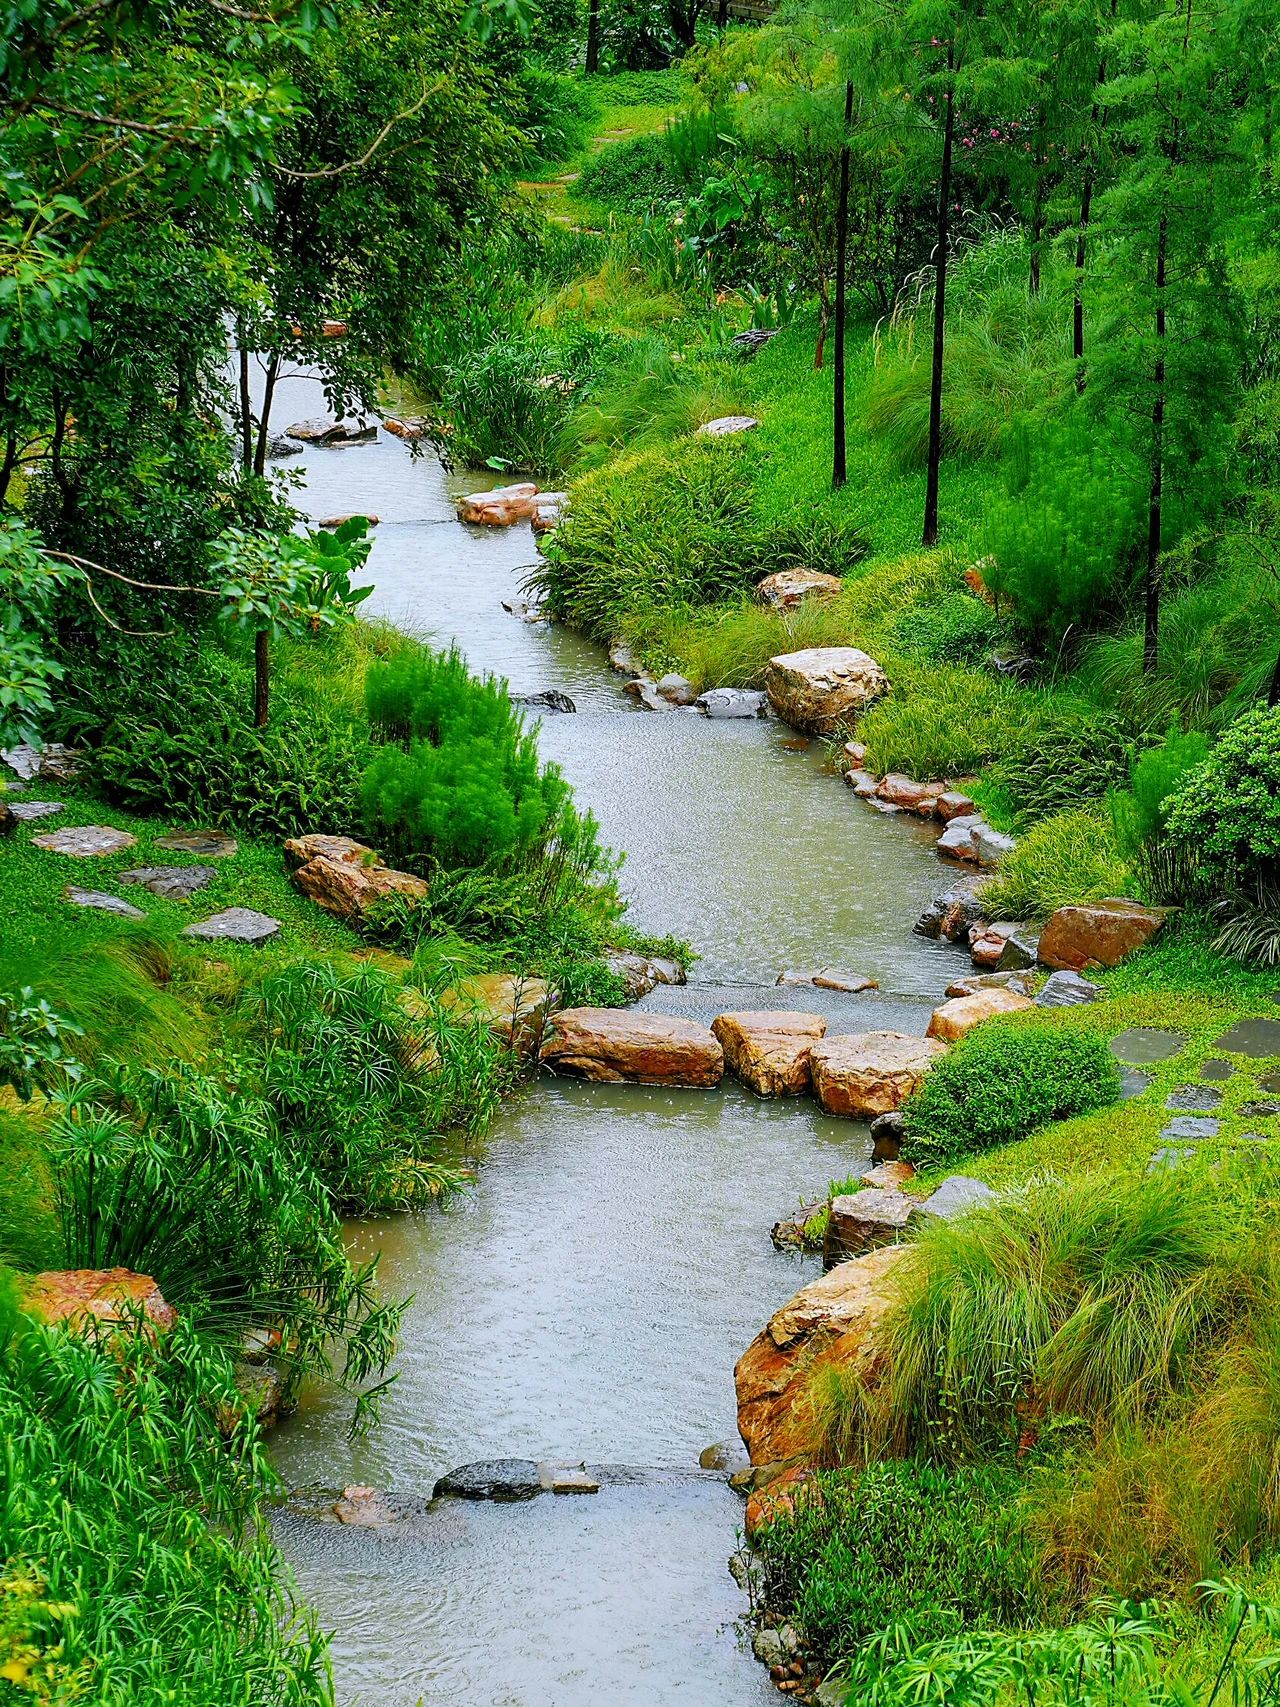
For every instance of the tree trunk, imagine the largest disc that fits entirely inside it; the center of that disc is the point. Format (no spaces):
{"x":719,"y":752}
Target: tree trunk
{"x":593,"y":37}
{"x":1273,"y":692}
{"x":1077,"y":306}
{"x":246,"y":411}
{"x":722,"y":16}
{"x":1151,"y":631}
{"x":1037,"y":207}
{"x":824,"y":320}
{"x":261,"y":678}
{"x":930,"y":533}
{"x":264,"y":424}
{"x":839,"y":461}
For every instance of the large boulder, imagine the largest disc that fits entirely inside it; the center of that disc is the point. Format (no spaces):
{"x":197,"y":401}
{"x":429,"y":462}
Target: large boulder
{"x":818,"y":689}
{"x":348,"y":879}
{"x":1098,"y":933}
{"x":769,"y":1052}
{"x":863,"y":1220}
{"x":620,"y":1046}
{"x":732,"y":702}
{"x":830,"y":1321}
{"x":89,"y":1297}
{"x":790,"y":587}
{"x":962,"y":1013}
{"x":863,"y":1074}
{"x":501,"y":508}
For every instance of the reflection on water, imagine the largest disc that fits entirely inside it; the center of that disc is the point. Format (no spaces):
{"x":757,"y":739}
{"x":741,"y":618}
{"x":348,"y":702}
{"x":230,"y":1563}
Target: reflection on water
{"x":590,"y":1299}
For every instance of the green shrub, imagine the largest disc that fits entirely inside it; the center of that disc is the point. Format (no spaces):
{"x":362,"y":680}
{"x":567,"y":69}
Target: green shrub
{"x":1003,"y":1081}
{"x":1060,"y":752}
{"x":1226,"y":811}
{"x":557,"y":112}
{"x":959,"y":629}
{"x":138,"y":1565}
{"x":940,"y":722}
{"x":510,"y":397}
{"x":1069,"y":857}
{"x":939,"y":1550}
{"x":631,"y":176}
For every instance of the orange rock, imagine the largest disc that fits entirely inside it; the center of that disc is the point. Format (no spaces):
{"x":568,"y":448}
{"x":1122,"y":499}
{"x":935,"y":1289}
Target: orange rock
{"x":1099,"y":933}
{"x":501,"y":508}
{"x":776,"y":1500}
{"x":912,"y":796}
{"x":830,"y":1321}
{"x":80,"y":1296}
{"x":962,"y":1013}
{"x":769,"y":1052}
{"x":863,"y":1074}
{"x":299,"y":849}
{"x":348,"y":891}
{"x":620,"y":1046}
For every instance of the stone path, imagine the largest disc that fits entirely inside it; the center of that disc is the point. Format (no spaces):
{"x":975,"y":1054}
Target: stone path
{"x":235,"y":924}
{"x":102,"y":903}
{"x":173,"y":882}
{"x":27,"y":811}
{"x":208,"y":844}
{"x":86,"y":841}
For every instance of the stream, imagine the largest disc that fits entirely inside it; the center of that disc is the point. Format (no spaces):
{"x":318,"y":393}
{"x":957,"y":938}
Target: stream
{"x":589,"y":1299}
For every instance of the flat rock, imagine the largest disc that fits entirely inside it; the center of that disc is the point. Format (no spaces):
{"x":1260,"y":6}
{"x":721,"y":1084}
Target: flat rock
{"x":954,"y":1018}
{"x":1192,"y":1126}
{"x":101,"y":903}
{"x":1259,"y":1110}
{"x":1259,"y":1039}
{"x":888,"y":1176}
{"x":234,"y":924}
{"x":1216,"y":1070}
{"x":1099,"y":933}
{"x":350,"y":516}
{"x":1133,"y":1082}
{"x":791,"y":587}
{"x":1170,"y":1156}
{"x":833,"y":1320}
{"x":641,"y":973}
{"x":492,"y":1479}
{"x":1194,"y":1098}
{"x":567,"y":1479}
{"x":818,"y":689}
{"x":863,"y":1221}
{"x":50,"y":763}
{"x":407,"y":427}
{"x":769,"y":1051}
{"x":848,"y":983}
{"x":1068,"y":990}
{"x":956,"y":1196}
{"x":724,"y":426}
{"x":501,"y":508}
{"x":620,"y":1046}
{"x":86,"y":841}
{"x":1141,"y":1045}
{"x":1021,"y":983}
{"x":952,"y":804}
{"x":85,"y":1297}
{"x":27,"y":811}
{"x":733,"y":702}
{"x":173,"y":882}
{"x":205,"y":844}
{"x":322,"y":432}
{"x":863,"y":1074}
{"x":912,"y":796}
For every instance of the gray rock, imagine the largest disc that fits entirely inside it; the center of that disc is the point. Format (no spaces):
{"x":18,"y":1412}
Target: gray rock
{"x":86,"y":841}
{"x":800,"y":1231}
{"x":1194,"y":1098}
{"x":641,"y":973}
{"x":52,"y":762}
{"x":1259,"y":1110}
{"x":1216,"y":1070}
{"x":205,"y":844}
{"x":492,"y":1479}
{"x":863,"y":784}
{"x":1021,"y":983}
{"x":622,"y":659}
{"x":886,"y":1132}
{"x":173,"y":882}
{"x":767,"y":1647}
{"x":1020,"y":951}
{"x":332,"y":432}
{"x":550,"y":699}
{"x":957,"y":838}
{"x":235,"y":924}
{"x":526,"y":612}
{"x":944,"y":904}
{"x":990,"y":846}
{"x":27,"y":811}
{"x":1067,"y":990}
{"x":646,"y":693}
{"x":1259,"y":1039}
{"x":678,"y":690}
{"x":723,"y":1455}
{"x":1133,"y":1082}
{"x":1170,"y":1156}
{"x":1192,"y":1126}
{"x":102,"y":903}
{"x":748,"y":1572}
{"x":280,"y":447}
{"x":726,"y":425}
{"x":1142,"y":1045}
{"x":955,"y":1196}
{"x":733,"y":702}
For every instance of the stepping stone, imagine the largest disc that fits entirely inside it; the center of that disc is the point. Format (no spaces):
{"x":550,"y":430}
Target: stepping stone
{"x":1170,"y":1156}
{"x":86,"y":841}
{"x":173,"y":882}
{"x":1269,"y":1082}
{"x":1143,"y":1044}
{"x":1133,"y":1083}
{"x":1195,"y":1098}
{"x":955,"y":1196}
{"x":103,"y":903}
{"x":1259,"y":1039}
{"x":26,"y":811}
{"x":1216,"y":1070}
{"x":567,"y":1479}
{"x":1192,"y":1126}
{"x":236,"y":924}
{"x":1259,"y":1110}
{"x":208,"y":844}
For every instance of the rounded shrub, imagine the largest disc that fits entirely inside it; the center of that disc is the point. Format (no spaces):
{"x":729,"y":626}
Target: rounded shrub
{"x":1004,"y":1081}
{"x":1227,"y":810}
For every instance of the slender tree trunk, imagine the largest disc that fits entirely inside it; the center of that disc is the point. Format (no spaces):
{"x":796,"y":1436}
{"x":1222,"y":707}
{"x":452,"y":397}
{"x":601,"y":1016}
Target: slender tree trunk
{"x":839,"y":461}
{"x":1037,"y":206}
{"x":1077,"y":306}
{"x":722,"y":16}
{"x":261,"y":678}
{"x":824,"y":320}
{"x":593,"y":37}
{"x":246,"y":410}
{"x":264,"y":424}
{"x":1273,"y":692}
{"x":930,"y":533}
{"x":1151,"y":631}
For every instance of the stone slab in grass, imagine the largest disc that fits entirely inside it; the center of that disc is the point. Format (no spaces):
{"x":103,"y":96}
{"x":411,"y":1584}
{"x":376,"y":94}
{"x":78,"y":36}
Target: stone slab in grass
{"x":1143,"y":1044}
{"x":1259,"y":1039}
{"x":173,"y":882}
{"x":1170,"y":1156}
{"x":27,"y":811}
{"x":206,"y":844}
{"x":235,"y":924}
{"x":1218,"y":1070}
{"x":86,"y":841}
{"x":1192,"y":1126}
{"x":102,"y":903}
{"x":1259,"y":1110}
{"x":1194,"y":1098}
{"x":1133,"y":1082}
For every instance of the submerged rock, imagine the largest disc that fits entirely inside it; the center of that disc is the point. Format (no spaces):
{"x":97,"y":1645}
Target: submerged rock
{"x":641,"y":973}
{"x":492,"y":1479}
{"x":550,"y":699}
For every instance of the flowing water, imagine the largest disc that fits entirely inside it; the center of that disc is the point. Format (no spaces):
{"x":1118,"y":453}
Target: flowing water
{"x":589,"y":1300}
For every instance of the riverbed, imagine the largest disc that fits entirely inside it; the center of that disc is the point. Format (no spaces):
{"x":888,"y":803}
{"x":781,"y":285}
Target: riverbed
{"x":589,"y":1298}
